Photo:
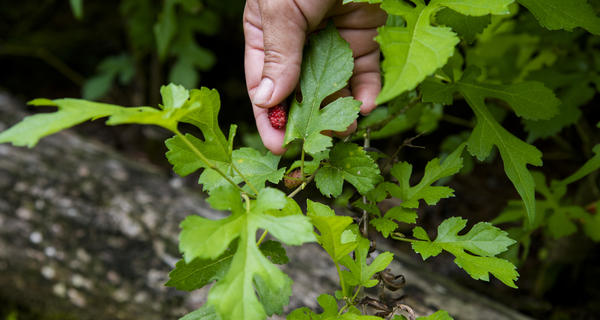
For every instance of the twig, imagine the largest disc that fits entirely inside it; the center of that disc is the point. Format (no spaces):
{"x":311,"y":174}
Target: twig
{"x":406,"y":143}
{"x":365,"y":214}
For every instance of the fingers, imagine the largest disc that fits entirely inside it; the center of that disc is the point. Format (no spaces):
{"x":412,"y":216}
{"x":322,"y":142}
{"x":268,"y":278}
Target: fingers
{"x":366,"y":81}
{"x":358,"y":27}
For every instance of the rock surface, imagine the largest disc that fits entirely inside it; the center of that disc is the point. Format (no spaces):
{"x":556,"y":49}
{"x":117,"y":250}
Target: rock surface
{"x":88,"y":234}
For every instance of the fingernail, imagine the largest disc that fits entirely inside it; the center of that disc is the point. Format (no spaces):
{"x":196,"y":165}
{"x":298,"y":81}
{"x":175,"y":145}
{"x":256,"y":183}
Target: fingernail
{"x":264,"y":92}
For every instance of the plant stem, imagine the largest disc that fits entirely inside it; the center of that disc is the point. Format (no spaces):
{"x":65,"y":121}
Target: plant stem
{"x":262,"y":237}
{"x":404,"y":239}
{"x":339,"y":271}
{"x":406,"y":143}
{"x":302,"y":163}
{"x":458,"y":121}
{"x":365,"y":214}
{"x":206,"y":160}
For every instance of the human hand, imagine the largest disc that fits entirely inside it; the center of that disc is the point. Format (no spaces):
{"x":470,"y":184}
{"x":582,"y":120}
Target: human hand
{"x":275,"y":32}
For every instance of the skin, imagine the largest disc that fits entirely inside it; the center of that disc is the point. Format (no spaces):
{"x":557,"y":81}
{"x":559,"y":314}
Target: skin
{"x":275,"y":32}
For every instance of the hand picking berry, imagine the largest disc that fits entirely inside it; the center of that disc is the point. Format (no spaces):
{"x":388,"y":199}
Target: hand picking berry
{"x":278,"y":116}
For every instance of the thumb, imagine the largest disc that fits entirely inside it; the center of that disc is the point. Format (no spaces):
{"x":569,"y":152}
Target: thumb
{"x":284,"y":27}
{"x":284,"y":32}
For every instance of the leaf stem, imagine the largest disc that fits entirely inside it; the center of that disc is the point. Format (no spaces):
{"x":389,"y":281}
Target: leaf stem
{"x":206,"y":160}
{"x":302,"y":163}
{"x":457,"y":121}
{"x":365,"y":214}
{"x":402,"y":238}
{"x":262,"y":237}
{"x":342,"y":283}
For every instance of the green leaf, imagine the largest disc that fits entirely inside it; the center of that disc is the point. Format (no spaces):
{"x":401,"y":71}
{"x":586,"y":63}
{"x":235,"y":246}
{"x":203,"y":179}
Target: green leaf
{"x":438,"y":315}
{"x":256,"y":167}
{"x":275,"y":251}
{"x":233,"y":297}
{"x":185,"y":161}
{"x":483,"y":242}
{"x":77,"y":8}
{"x":414,"y":51}
{"x":478,"y":8}
{"x":71,"y":112}
{"x":417,"y":50}
{"x":199,"y":272}
{"x":560,"y":224}
{"x":165,"y":28}
{"x":75,"y":111}
{"x":466,"y":26}
{"x":434,"y":170}
{"x":386,"y":224}
{"x":592,"y":165}
{"x":359,"y":272}
{"x":568,"y":112}
{"x":121,"y":66}
{"x":330,"y":312}
{"x":207,"y":312}
{"x":530,"y":100}
{"x":332,"y":230}
{"x":347,"y":161}
{"x":566,"y":15}
{"x":436,"y":92}
{"x":327,"y":66}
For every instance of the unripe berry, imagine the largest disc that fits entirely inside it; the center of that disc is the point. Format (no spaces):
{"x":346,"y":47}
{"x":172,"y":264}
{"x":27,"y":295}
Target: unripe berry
{"x":293,"y":179}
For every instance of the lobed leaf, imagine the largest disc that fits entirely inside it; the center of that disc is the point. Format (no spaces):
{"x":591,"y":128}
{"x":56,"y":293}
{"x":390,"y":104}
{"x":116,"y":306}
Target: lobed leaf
{"x":566,"y":15}
{"x":199,"y":272}
{"x":467,"y":27}
{"x":515,"y":153}
{"x":416,"y":50}
{"x":327,"y":66}
{"x":434,"y":170}
{"x":347,"y":161}
{"x":330,"y":312}
{"x":359,"y":272}
{"x":233,"y":297}
{"x":334,"y":237}
{"x":483,"y":242}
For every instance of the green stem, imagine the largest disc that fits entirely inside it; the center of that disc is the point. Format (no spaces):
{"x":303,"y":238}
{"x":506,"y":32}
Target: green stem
{"x":365,"y":214}
{"x":339,"y":271}
{"x":244,"y":178}
{"x":302,"y":163}
{"x":457,"y":121}
{"x":262,"y":237}
{"x":404,"y":239}
{"x":206,"y":160}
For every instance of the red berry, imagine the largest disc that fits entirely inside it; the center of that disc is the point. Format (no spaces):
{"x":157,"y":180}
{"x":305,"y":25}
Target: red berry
{"x":278,"y":116}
